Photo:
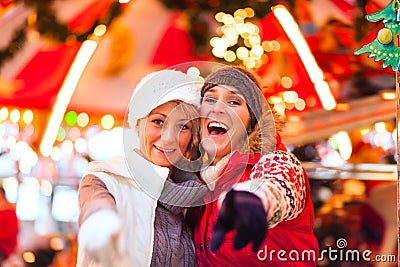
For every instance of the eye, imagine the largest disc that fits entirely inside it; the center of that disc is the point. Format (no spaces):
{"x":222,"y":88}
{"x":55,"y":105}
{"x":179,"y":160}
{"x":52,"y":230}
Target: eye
{"x":158,"y":122}
{"x":210,"y":100}
{"x":182,"y":126}
{"x":234,"y":102}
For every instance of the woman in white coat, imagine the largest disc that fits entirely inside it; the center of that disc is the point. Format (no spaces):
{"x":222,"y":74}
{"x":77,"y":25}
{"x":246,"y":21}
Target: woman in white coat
{"x":126,"y":219}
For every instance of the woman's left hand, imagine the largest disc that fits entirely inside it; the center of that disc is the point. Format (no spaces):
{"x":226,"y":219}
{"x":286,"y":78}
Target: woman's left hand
{"x":244,"y":212}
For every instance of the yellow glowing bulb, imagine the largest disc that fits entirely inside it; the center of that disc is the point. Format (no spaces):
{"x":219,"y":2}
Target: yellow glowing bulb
{"x":249,"y":63}
{"x":267,"y":46}
{"x":257,"y":50}
{"x":264,"y":58}
{"x":254,"y":39}
{"x":242,"y":53}
{"x":82,"y":120}
{"x":3,"y":114}
{"x":240,"y":28}
{"x":107,"y":122}
{"x":212,"y":41}
{"x":380,"y":127}
{"x":225,"y":28}
{"x":275,"y":99}
{"x":230,"y":56}
{"x":280,"y":108}
{"x":245,"y":35}
{"x":250,"y":27}
{"x":231,"y":36}
{"x":276,"y":46}
{"x":228,"y":19}
{"x":258,"y":63}
{"x":218,"y":52}
{"x":287,"y":83}
{"x":219,"y":16}
{"x":290,"y":96}
{"x":238,"y":20}
{"x":388,"y":95}
{"x":344,"y":144}
{"x":15,"y":115}
{"x":247,"y":43}
{"x":100,"y":30}
{"x":220,"y":43}
{"x":249,"y":12}
{"x":27,"y":116}
{"x":240,"y":13}
{"x":300,"y":104}
{"x":56,"y":244}
{"x":29,"y":257}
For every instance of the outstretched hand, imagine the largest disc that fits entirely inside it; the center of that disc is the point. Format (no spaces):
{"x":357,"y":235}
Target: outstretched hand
{"x":97,"y":236}
{"x":244,"y":212}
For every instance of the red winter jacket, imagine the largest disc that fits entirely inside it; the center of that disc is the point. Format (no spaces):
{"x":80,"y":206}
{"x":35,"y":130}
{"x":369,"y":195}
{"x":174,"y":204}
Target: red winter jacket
{"x":289,"y":243}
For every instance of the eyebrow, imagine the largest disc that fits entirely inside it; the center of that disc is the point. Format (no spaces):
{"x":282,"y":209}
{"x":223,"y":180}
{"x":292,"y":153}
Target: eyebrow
{"x":232,"y":92}
{"x":165,"y":116}
{"x":157,"y":113}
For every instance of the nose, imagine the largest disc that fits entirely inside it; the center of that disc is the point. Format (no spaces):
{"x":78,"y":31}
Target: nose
{"x":218,"y":107}
{"x":168,"y":136}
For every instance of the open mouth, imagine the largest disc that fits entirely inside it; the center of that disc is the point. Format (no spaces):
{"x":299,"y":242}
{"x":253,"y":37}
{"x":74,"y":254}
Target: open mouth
{"x":216,"y":128}
{"x":164,"y":150}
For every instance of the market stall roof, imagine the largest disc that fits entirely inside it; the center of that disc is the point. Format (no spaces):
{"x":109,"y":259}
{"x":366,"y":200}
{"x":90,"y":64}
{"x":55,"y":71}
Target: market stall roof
{"x":144,"y":38}
{"x":318,"y":125}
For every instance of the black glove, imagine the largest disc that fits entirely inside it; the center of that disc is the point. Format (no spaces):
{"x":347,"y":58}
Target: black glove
{"x":244,"y":212}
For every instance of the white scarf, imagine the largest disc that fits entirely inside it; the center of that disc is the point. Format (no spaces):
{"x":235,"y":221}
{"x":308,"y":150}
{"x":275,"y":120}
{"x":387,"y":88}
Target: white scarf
{"x":210,"y":174}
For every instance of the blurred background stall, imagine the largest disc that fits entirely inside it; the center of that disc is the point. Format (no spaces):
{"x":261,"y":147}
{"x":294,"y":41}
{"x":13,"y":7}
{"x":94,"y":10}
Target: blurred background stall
{"x":68,"y":68}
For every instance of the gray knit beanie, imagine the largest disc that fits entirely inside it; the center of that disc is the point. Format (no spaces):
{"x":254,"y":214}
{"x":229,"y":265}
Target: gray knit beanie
{"x":245,"y":83}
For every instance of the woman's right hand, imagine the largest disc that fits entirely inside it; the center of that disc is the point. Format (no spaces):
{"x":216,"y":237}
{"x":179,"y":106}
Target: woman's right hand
{"x":97,"y":236}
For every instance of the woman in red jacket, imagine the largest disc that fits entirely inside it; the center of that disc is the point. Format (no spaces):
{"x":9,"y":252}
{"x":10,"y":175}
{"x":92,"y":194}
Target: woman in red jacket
{"x":268,"y":218}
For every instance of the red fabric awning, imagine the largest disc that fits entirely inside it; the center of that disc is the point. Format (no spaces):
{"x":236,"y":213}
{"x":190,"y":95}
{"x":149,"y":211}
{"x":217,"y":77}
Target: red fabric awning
{"x":42,"y":77}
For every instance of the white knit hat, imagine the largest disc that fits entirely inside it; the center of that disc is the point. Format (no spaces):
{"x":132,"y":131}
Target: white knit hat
{"x":158,"y":88}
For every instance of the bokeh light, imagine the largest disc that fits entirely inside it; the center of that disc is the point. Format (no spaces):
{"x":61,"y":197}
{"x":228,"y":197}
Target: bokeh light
{"x":80,"y":145}
{"x":82,"y":119}
{"x":62,"y":133}
{"x":3,"y":113}
{"x":107,"y":121}
{"x":71,"y":118}
{"x":27,"y":116}
{"x":15,"y":115}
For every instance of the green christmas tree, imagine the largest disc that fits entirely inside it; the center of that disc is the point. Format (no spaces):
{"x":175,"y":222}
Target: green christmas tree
{"x":386,"y":45}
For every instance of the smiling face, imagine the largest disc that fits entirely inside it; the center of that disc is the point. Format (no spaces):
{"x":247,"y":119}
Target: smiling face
{"x":225,"y":120}
{"x":165,"y":134}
